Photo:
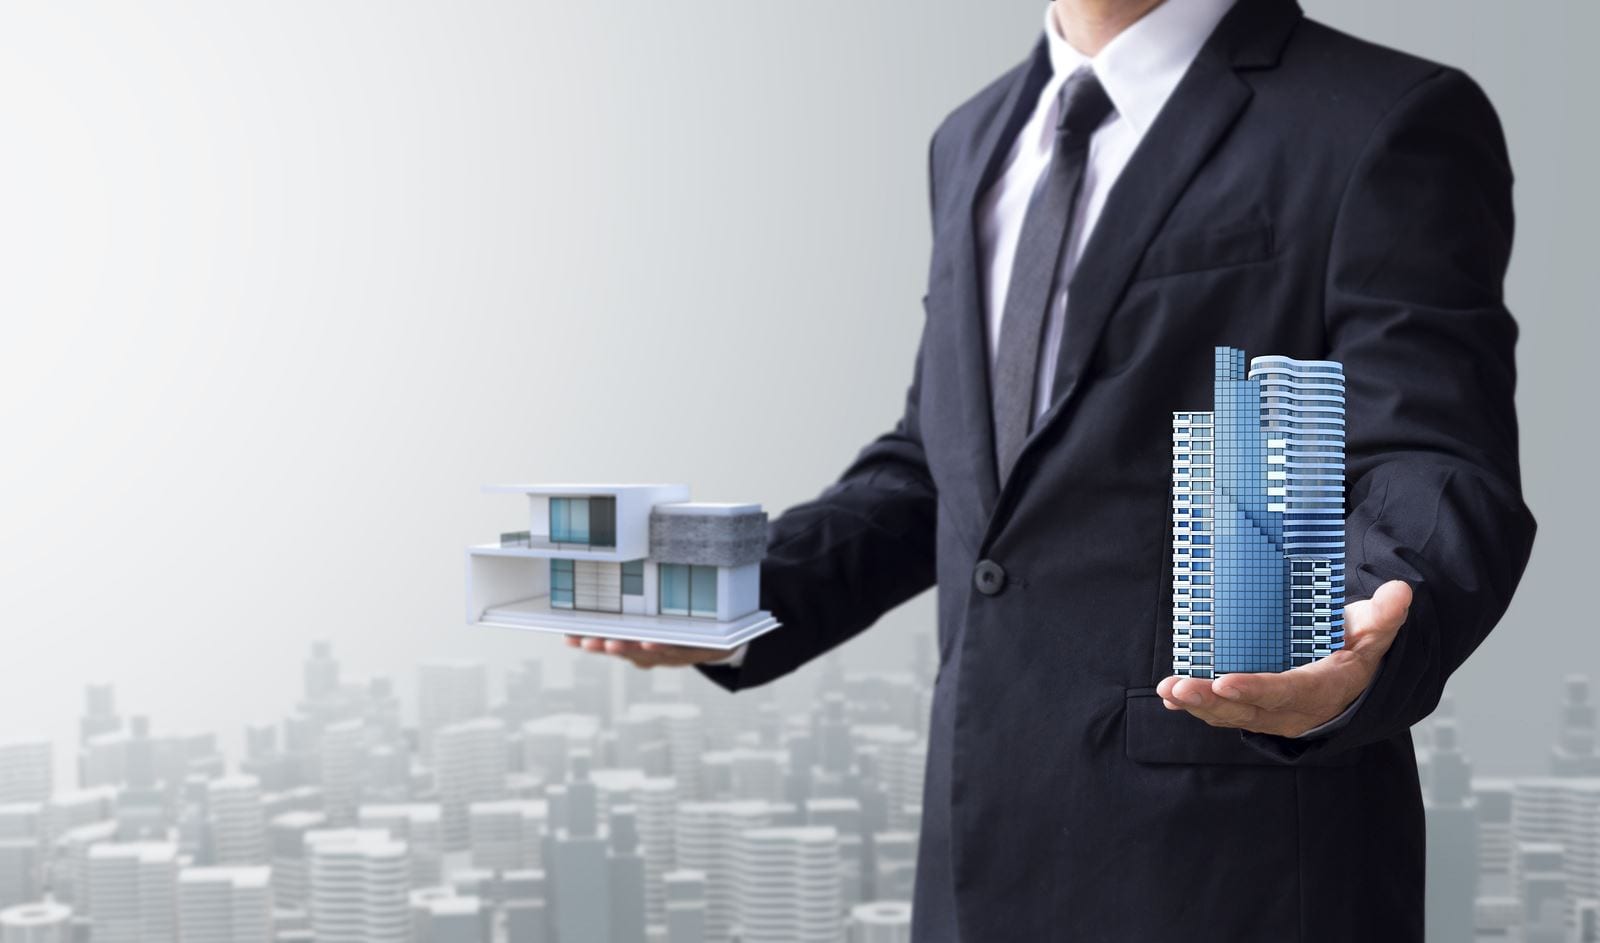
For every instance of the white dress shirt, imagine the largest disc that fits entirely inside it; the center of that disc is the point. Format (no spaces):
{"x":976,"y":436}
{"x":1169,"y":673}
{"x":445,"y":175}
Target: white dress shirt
{"x":1138,"y":69}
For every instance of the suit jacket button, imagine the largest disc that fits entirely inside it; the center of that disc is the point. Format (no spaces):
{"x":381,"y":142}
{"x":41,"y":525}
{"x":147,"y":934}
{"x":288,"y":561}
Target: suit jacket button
{"x":989,"y":577}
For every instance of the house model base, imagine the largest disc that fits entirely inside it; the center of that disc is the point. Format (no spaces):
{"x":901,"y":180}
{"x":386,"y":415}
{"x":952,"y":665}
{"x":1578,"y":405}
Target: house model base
{"x":634,"y":562}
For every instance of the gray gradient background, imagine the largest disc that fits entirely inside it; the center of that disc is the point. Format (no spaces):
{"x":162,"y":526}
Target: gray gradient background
{"x":282,"y":284}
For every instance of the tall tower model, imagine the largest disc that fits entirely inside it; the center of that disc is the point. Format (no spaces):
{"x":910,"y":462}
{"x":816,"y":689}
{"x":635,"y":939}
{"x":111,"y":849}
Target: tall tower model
{"x":1258,"y":518}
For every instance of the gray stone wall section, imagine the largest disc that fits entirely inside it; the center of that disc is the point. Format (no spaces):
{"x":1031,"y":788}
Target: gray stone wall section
{"x":708,"y":539}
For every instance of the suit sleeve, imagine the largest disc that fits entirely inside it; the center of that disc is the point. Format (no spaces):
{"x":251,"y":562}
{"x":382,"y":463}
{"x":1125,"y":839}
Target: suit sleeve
{"x":837,"y":563}
{"x":1415,"y":312}
{"x":864,"y":546}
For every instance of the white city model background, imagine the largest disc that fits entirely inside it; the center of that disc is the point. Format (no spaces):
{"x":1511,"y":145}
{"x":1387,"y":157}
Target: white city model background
{"x":621,"y":806}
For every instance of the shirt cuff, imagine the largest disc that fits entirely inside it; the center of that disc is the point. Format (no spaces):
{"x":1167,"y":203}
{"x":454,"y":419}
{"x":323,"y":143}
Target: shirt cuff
{"x":1329,"y":726}
{"x":735,"y":658}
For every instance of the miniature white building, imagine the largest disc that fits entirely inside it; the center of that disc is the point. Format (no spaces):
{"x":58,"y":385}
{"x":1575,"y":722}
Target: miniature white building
{"x":637,"y":562}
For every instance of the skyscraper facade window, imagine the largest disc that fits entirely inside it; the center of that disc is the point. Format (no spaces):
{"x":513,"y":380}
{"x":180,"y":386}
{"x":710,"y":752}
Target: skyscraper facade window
{"x":1258,"y":518}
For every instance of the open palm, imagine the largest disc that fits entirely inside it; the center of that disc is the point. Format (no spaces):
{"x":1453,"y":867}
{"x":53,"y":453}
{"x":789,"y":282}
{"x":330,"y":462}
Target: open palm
{"x":1289,"y":703}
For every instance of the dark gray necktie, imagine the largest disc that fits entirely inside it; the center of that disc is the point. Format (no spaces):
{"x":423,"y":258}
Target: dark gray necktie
{"x":1083,"y":105}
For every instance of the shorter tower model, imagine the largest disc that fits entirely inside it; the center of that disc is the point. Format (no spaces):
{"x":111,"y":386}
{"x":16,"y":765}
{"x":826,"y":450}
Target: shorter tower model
{"x":635,"y":562}
{"x":1258,"y":519}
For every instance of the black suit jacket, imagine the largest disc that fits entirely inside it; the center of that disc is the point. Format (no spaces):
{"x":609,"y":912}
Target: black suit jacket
{"x":1302,"y":193}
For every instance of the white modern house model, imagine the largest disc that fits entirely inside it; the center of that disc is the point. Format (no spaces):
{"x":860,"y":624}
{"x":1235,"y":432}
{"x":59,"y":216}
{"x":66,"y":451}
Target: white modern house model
{"x":636,"y":562}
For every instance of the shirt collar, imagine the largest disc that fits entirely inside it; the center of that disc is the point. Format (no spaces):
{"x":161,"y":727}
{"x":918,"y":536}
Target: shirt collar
{"x":1144,"y":63}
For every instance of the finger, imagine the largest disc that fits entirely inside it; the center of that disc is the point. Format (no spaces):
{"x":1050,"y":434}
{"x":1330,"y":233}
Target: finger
{"x":1193,"y":692}
{"x":1323,"y":687}
{"x":574,"y":641}
{"x":1196,"y":696}
{"x":1164,"y":689}
{"x":1218,"y":712}
{"x":592,"y":644}
{"x":1268,"y":691}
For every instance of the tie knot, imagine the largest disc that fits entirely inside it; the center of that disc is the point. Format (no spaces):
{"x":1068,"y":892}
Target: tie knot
{"x":1084,"y":104}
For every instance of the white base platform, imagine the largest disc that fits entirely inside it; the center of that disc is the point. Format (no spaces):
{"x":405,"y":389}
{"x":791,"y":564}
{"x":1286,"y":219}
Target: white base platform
{"x":535,"y":613}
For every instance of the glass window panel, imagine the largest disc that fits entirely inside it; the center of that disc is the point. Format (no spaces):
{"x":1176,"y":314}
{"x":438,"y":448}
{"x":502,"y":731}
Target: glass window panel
{"x":560,"y":519}
{"x":578,"y":530}
{"x":674,"y":589}
{"x":561,"y":584}
{"x":703,"y":591}
{"x":633,"y":578}
{"x":603,"y":521}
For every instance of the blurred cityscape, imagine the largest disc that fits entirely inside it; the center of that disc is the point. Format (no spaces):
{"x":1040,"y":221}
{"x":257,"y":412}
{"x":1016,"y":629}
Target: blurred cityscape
{"x":626,"y":806}
{"x":1514,"y":858}
{"x":622,"y":806}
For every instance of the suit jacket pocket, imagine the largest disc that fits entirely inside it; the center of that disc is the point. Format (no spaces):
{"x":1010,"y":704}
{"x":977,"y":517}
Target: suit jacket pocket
{"x":1157,"y":735}
{"x":1203,"y":249}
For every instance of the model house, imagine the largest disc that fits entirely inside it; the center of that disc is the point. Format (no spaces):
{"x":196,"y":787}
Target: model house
{"x":1258,"y":518}
{"x":638,"y":562}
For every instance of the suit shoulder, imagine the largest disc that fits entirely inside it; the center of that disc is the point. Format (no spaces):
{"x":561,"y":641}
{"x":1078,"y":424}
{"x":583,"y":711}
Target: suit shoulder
{"x":984,"y":104}
{"x":962,"y":128}
{"x":1360,"y":77}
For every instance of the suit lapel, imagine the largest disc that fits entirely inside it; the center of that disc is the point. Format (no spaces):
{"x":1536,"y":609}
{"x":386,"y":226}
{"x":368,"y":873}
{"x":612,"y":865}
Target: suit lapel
{"x":968,"y":271}
{"x":1201,"y":109}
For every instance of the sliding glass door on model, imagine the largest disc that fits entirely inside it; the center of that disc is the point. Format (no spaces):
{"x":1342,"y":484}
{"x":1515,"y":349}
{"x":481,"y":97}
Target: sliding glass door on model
{"x":688,"y":590}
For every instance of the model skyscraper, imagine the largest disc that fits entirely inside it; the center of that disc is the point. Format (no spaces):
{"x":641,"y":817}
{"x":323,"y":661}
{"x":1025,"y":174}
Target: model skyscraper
{"x":1258,"y":519}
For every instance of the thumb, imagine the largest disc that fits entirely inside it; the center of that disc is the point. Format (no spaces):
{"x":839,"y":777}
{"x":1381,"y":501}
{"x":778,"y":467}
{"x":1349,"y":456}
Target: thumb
{"x":1391,"y":603}
{"x":1379,"y":617}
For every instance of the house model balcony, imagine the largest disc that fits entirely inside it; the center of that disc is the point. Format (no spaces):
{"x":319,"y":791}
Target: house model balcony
{"x":635,"y":562}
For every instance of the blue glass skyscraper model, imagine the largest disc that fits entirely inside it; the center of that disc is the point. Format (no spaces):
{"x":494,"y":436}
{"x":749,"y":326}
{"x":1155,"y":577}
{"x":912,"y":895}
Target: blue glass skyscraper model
{"x":1258,"y":518}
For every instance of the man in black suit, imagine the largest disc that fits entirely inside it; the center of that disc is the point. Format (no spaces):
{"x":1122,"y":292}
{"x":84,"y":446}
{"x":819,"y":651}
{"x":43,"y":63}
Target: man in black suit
{"x":1153,"y":181}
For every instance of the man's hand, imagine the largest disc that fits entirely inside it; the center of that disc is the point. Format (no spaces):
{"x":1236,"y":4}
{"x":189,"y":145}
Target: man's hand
{"x":1289,"y":703}
{"x":647,"y":654}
